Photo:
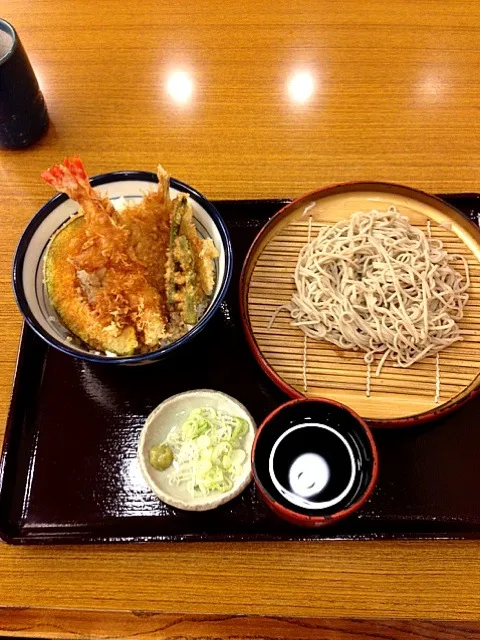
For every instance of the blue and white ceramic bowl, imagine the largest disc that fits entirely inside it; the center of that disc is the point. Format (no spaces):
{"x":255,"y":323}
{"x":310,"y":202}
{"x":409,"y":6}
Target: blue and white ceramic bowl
{"x":30,"y":291}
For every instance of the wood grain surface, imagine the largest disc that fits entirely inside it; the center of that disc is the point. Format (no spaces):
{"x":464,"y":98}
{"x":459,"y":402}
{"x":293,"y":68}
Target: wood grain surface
{"x":143,"y":625}
{"x":395,"y":97}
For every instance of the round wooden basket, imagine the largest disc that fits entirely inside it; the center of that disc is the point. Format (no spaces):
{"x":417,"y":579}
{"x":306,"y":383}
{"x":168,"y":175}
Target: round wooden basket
{"x":305,"y":367}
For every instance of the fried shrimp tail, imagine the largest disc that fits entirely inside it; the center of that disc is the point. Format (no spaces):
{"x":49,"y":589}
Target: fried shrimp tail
{"x":71,"y":178}
{"x":163,"y":186}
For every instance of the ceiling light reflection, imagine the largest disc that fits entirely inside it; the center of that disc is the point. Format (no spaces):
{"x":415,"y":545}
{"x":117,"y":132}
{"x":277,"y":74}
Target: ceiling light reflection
{"x":180,"y":87}
{"x":431,"y":86}
{"x":301,"y":86}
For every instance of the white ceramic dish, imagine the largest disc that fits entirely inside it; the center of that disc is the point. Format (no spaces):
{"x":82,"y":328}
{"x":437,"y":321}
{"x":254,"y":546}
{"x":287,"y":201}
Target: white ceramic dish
{"x":168,"y":415}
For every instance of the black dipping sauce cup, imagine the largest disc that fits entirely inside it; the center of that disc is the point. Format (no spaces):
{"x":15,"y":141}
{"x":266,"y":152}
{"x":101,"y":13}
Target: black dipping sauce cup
{"x":23,"y":113}
{"x":314,"y":461}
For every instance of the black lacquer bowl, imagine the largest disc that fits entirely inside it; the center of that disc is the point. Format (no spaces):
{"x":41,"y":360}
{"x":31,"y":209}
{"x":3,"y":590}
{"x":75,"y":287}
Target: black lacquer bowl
{"x":314,"y":461}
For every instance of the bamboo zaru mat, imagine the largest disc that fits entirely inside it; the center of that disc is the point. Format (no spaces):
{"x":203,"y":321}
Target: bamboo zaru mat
{"x":320,"y":369}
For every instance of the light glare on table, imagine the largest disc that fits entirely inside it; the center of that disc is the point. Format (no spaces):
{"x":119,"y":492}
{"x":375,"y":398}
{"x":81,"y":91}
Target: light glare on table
{"x":301,"y":86}
{"x":180,"y":86}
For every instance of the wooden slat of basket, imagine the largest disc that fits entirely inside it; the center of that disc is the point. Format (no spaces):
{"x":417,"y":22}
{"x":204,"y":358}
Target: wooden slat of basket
{"x":326,"y":364}
{"x":449,"y":367}
{"x":296,"y":242}
{"x":290,"y":256}
{"x":471,"y":317}
{"x":469,"y":326}
{"x":386,"y":406}
{"x":323,"y":376}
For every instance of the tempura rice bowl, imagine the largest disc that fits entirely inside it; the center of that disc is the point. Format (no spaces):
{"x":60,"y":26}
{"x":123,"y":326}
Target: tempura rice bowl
{"x":28,"y":281}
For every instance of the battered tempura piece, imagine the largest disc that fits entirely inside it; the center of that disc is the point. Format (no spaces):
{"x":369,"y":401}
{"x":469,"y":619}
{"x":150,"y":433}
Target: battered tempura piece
{"x":68,"y":299}
{"x":204,"y":252}
{"x":148,"y":223}
{"x":189,"y":270}
{"x":106,"y":272}
{"x":185,"y":279}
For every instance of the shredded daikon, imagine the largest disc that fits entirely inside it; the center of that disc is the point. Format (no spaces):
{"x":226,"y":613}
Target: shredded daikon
{"x":208,"y":451}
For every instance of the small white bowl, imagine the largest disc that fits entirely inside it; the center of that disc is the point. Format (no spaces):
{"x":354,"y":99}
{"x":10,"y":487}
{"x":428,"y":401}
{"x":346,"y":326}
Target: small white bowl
{"x":168,"y":415}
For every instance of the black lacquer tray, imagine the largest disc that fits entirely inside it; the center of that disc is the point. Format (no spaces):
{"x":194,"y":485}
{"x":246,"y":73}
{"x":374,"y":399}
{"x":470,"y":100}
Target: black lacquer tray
{"x":69,"y":472}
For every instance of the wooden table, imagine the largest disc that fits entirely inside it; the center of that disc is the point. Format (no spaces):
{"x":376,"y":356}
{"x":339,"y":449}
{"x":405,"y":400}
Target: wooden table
{"x":286,"y":96}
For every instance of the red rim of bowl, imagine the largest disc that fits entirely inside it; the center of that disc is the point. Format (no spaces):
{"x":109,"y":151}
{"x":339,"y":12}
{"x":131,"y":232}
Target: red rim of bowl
{"x":407,"y":421}
{"x":294,"y":516}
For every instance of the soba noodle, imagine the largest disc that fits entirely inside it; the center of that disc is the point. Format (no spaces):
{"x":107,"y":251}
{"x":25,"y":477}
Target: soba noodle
{"x":377,"y":283}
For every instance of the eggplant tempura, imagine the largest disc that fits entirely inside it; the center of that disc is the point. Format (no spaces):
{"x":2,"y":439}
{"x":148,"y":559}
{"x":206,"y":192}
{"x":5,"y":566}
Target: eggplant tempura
{"x":127,"y":281}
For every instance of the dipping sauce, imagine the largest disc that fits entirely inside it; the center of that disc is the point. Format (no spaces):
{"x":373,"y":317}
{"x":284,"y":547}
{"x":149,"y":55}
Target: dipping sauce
{"x":312,"y":466}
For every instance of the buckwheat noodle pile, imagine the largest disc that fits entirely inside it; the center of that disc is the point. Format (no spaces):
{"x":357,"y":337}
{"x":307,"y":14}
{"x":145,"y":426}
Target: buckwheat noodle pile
{"x":377,"y":283}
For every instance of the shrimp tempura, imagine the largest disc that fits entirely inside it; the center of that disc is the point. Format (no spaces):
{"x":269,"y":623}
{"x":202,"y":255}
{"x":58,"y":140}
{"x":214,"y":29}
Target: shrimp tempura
{"x":110,"y":256}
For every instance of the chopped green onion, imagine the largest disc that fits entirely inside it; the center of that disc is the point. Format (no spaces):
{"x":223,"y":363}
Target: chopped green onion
{"x":223,"y":448}
{"x":208,"y":451}
{"x":240,"y":428}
